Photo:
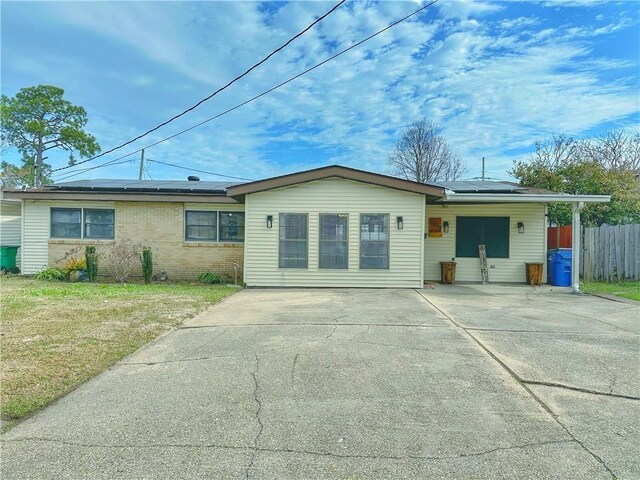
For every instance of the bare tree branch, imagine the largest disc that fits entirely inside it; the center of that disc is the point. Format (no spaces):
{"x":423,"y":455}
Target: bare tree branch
{"x":423,"y":155}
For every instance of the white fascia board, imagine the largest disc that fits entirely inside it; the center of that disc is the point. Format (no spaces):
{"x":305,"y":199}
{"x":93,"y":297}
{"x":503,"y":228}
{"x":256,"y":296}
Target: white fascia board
{"x":451,"y":197}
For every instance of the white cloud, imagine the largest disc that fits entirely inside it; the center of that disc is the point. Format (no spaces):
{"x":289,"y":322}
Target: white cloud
{"x":493,"y":82}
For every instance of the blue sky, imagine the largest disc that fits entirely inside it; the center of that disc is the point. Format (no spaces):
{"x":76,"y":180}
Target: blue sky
{"x":496,"y":76}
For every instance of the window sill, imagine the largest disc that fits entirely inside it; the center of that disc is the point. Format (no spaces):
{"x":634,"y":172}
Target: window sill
{"x":214,"y":244}
{"x":82,"y":241}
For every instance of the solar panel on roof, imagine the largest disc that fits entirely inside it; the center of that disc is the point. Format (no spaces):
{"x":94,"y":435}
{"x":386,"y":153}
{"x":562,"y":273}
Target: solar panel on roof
{"x":141,"y":185}
{"x":480,"y":186}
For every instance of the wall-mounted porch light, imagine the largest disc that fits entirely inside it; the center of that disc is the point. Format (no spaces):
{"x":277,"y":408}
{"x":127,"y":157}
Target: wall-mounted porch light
{"x":520,"y":227}
{"x":269,"y":221}
{"x":445,"y":227}
{"x":400,"y":223}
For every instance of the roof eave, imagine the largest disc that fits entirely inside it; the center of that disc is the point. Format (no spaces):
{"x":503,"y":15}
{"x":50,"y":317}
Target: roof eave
{"x":452,"y":197}
{"x":334,"y":171}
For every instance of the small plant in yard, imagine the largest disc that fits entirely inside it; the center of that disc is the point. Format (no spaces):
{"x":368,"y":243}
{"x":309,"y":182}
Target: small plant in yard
{"x":51,"y":273}
{"x":147,"y":264}
{"x":76,"y":269}
{"x":91,"y":261}
{"x":209,"y":278}
{"x":121,"y":258}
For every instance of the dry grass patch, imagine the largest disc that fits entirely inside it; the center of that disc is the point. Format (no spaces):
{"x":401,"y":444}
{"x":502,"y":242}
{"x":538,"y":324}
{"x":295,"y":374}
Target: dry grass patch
{"x":57,"y":335}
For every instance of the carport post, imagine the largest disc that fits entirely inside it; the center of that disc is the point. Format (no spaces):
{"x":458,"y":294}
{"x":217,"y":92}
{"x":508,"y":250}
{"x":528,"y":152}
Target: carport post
{"x":575,"y":242}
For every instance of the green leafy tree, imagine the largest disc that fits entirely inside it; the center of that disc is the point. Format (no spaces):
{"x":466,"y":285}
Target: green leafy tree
{"x":35,"y":121}
{"x":603,"y":166}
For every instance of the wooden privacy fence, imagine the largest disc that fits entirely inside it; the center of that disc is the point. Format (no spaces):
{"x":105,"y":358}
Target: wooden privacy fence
{"x":611,"y":253}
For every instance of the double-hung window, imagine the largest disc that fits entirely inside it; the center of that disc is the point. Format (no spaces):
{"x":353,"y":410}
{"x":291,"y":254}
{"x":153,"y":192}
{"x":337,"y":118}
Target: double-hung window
{"x":98,"y":223}
{"x":89,"y":223}
{"x":231,"y":226}
{"x":374,"y":241}
{"x":213,"y":226}
{"x":66,"y":223}
{"x":334,"y":241}
{"x":293,"y":245}
{"x":201,"y":226}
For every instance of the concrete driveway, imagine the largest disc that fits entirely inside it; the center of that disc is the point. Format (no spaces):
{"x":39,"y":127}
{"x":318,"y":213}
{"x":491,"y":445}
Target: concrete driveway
{"x":455,"y":382}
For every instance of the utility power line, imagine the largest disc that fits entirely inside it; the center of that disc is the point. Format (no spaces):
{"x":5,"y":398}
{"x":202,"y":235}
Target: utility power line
{"x":106,"y":164}
{"x":224,"y":87}
{"x":256,"y":97}
{"x":199,"y":171}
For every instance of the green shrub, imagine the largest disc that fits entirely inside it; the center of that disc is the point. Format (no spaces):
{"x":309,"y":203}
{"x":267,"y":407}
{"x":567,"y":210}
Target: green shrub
{"x":209,"y":278}
{"x":91,"y":261}
{"x":147,"y":264}
{"x":51,"y":273}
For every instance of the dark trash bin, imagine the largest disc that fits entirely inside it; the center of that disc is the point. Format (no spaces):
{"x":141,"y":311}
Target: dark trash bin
{"x":448,"y":272}
{"x":559,"y":266}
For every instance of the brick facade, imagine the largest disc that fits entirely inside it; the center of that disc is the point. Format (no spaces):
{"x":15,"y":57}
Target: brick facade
{"x":161,"y":227}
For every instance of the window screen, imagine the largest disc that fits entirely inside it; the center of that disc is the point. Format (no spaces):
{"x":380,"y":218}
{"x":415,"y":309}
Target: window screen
{"x":293,"y":240}
{"x":493,"y":232}
{"x":66,"y":222}
{"x":98,"y":223}
{"x":334,"y":241}
{"x":231,"y":226}
{"x":201,"y":226}
{"x":374,"y":241}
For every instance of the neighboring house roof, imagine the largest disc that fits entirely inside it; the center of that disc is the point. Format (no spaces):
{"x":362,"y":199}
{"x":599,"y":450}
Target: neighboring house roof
{"x":335,"y":171}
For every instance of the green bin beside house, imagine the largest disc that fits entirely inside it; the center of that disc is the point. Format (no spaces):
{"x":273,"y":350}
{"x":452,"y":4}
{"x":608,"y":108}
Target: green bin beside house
{"x":8,"y":257}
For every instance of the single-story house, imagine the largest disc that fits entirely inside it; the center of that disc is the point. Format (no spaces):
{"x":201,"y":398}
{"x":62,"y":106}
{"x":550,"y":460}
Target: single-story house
{"x":11,"y":224}
{"x":328,"y":227}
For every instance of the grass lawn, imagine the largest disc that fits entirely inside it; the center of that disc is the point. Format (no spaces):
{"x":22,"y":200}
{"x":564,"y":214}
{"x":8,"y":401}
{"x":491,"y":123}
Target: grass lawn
{"x":56,"y":335}
{"x":623,"y":289}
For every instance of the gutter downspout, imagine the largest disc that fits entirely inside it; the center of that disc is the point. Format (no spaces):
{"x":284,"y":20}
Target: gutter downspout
{"x":575,"y":242}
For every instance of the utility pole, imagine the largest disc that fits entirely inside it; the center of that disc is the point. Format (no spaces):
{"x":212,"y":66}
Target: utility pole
{"x":141,"y":164}
{"x":483,"y":169}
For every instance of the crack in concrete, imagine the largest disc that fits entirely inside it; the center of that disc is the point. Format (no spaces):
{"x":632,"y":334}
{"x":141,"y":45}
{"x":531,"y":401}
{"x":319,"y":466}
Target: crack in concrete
{"x":255,"y":449}
{"x":517,"y":378}
{"x":580,"y":389}
{"x":314,"y":324}
{"x":332,"y":332}
{"x":293,"y":366}
{"x":613,"y":382}
{"x":544,"y":332}
{"x":257,"y":415}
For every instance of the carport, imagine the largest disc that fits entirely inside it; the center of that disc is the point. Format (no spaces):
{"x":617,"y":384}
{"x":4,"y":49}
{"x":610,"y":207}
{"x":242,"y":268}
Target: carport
{"x":577,"y":202}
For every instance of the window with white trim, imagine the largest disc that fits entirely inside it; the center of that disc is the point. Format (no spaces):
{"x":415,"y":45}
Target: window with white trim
{"x":374,"y":241}
{"x":334,"y":241}
{"x":294,"y":240}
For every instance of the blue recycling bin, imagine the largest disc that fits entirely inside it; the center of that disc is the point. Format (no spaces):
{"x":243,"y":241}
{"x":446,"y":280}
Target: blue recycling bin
{"x":559,"y":267}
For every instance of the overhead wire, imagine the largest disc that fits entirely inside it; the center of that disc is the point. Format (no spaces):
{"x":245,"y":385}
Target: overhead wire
{"x":209,"y":97}
{"x":256,"y":97}
{"x":198,"y":171}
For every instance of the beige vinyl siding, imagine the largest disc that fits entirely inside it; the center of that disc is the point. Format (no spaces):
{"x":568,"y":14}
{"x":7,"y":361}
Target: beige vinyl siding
{"x":36,"y":218}
{"x":527,"y":247}
{"x":11,"y":225}
{"x":334,"y":195}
